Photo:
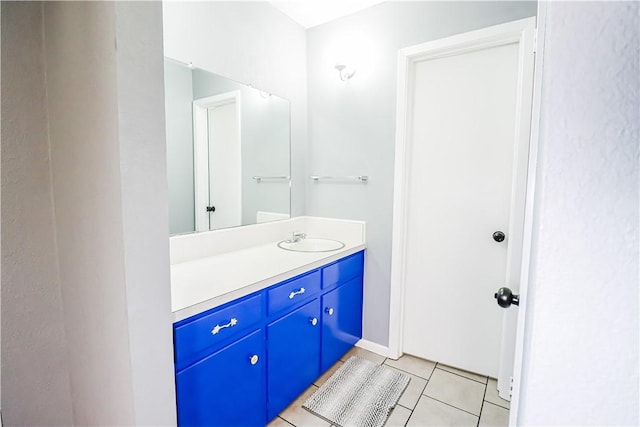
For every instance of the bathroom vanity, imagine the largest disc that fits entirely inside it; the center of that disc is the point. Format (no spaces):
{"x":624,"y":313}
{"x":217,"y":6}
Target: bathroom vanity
{"x":246,"y":353}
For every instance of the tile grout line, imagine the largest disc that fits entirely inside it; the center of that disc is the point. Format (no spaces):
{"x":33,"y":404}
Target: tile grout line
{"x":485,"y":383}
{"x":498,"y":405}
{"x":482,"y":406}
{"x":448,"y":404}
{"x":411,"y":373}
{"x":285,"y":421}
{"x":420,"y":394}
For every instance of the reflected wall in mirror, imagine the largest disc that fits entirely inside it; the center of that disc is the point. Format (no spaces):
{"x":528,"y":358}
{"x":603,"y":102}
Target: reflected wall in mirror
{"x":228,"y":151}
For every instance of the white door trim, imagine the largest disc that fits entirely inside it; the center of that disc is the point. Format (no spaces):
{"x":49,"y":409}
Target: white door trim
{"x":528,"y":227}
{"x":520,"y":31}
{"x":201,"y":150}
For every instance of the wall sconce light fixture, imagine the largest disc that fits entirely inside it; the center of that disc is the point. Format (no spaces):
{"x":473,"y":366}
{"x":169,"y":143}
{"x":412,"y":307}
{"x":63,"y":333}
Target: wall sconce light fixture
{"x":345,"y":72}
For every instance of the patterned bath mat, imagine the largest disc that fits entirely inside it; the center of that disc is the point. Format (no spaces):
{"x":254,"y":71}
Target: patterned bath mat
{"x":359,"y":394}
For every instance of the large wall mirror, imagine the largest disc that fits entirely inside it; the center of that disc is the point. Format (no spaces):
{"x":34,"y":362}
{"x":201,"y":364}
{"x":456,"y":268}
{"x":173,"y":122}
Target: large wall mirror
{"x":228,"y":151}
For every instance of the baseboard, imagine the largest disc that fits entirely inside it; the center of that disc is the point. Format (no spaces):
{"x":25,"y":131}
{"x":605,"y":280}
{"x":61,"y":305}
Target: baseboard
{"x":374,"y":347}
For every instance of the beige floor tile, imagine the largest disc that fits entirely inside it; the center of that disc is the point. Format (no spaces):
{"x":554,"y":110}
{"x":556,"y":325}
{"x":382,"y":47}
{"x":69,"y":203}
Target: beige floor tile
{"x":430,"y":412}
{"x":413,"y":365}
{"x":365,"y":354}
{"x":492,"y":395}
{"x":398,"y":417}
{"x":300,"y":417}
{"x":278,"y":422}
{"x":324,"y":377}
{"x":414,"y":390}
{"x":493,"y":415}
{"x":455,"y":390}
{"x":466,"y":374}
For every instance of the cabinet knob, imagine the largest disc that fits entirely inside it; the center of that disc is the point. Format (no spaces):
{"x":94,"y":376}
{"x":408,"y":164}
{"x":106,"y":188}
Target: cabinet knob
{"x":313,"y":321}
{"x":254,"y":359}
{"x":329,"y":311}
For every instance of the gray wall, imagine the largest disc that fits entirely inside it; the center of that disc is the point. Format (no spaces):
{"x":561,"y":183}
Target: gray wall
{"x":178,"y":94}
{"x":582,"y":306}
{"x":352,"y":124}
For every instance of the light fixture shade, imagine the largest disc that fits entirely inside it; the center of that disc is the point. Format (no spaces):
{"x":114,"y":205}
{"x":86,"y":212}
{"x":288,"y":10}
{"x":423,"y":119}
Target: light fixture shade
{"x":345,"y":72}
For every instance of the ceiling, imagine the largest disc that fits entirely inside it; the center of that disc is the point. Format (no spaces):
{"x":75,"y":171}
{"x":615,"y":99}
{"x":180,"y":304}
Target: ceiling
{"x":310,"y":13}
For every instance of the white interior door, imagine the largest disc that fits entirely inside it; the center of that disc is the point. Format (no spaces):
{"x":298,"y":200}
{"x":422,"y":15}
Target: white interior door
{"x":225,"y":165}
{"x":459,"y":195}
{"x":217,"y":161}
{"x":464,"y":110}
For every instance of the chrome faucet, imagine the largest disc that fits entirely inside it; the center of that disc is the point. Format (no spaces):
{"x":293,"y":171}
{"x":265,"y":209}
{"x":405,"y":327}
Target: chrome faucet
{"x":296,"y":237}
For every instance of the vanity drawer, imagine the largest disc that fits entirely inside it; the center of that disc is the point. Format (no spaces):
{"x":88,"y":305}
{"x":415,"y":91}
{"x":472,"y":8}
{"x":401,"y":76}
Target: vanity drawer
{"x":196,"y":339}
{"x":290,"y":293}
{"x":343,"y":270}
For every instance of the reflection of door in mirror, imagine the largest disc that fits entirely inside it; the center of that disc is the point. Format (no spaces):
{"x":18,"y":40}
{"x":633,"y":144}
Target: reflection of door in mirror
{"x":246,"y":181}
{"x":217,"y":161}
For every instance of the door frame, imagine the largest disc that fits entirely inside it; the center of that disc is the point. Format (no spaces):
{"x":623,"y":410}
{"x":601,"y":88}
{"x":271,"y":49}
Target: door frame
{"x":523,"y":32}
{"x":201,"y":149}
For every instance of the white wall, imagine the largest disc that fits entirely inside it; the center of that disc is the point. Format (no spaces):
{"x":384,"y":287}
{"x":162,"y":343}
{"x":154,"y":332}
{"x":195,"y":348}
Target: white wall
{"x":143,"y":186}
{"x":35,"y":371}
{"x":582,"y":340}
{"x":352,"y":124}
{"x":88,"y":206}
{"x":85,"y":279}
{"x":253,"y":43}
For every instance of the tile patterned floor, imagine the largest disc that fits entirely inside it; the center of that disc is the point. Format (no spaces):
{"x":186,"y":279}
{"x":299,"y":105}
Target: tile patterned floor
{"x":437,"y":395}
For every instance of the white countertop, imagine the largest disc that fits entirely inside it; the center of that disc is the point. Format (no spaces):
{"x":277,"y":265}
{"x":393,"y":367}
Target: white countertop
{"x":204,"y":283}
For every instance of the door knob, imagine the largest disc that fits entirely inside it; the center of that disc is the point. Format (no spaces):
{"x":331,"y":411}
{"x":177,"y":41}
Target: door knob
{"x":211,"y":209}
{"x":505,"y":298}
{"x":498,"y":236}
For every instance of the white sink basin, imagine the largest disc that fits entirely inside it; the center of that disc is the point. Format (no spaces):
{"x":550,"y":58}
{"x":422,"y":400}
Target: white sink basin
{"x":311,"y":244}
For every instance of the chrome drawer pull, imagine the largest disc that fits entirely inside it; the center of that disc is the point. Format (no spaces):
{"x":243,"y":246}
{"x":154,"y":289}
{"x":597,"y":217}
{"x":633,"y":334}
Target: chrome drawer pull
{"x":294,"y":293}
{"x":232,"y":322}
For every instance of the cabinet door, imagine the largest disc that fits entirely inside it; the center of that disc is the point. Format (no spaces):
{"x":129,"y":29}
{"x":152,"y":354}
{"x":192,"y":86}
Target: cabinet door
{"x":226,"y":388}
{"x":293,"y":346}
{"x":341,"y":321}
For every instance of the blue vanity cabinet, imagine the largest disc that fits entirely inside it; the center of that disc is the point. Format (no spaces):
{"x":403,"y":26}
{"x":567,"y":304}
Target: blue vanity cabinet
{"x":242,"y":363}
{"x":291,"y":293}
{"x":226,"y":388}
{"x":341,"y":321}
{"x":342,"y":283}
{"x":343,"y":270}
{"x":220,"y":362}
{"x":202,"y":334}
{"x":293,"y":348}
